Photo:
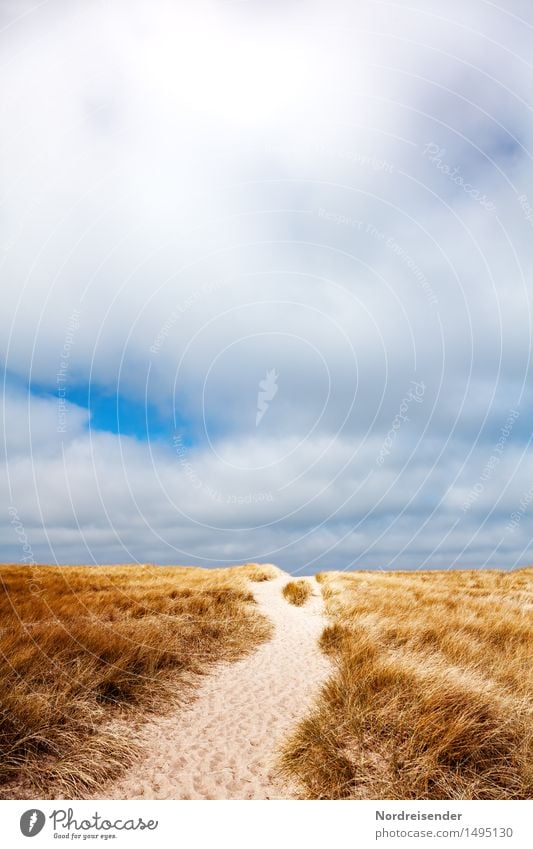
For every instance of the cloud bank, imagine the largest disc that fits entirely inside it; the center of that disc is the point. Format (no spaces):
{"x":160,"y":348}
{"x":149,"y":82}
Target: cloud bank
{"x":195,"y":198}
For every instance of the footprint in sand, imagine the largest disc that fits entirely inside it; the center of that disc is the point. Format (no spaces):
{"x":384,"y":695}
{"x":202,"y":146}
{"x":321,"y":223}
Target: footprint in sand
{"x":224,"y":745}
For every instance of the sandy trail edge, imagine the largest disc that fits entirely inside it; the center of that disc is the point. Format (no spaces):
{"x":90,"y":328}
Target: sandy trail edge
{"x":224,"y":745}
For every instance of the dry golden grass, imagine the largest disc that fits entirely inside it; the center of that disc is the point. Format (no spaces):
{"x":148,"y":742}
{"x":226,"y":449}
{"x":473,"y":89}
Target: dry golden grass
{"x":432,"y":693}
{"x":297,"y":592}
{"x":85,"y":652}
{"x":259,"y":572}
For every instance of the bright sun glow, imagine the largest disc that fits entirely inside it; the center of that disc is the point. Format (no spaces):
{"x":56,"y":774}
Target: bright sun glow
{"x":241,"y":74}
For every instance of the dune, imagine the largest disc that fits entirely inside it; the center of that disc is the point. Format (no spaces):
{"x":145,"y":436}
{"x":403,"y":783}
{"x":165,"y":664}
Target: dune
{"x":431,"y":696}
{"x":246,"y":683}
{"x":226,"y":743}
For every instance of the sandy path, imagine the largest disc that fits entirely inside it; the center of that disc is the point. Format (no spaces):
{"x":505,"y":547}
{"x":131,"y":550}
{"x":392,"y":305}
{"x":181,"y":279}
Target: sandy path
{"x":224,"y":745}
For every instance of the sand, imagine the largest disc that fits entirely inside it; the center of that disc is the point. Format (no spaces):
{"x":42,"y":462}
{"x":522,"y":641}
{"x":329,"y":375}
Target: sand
{"x":224,"y":745}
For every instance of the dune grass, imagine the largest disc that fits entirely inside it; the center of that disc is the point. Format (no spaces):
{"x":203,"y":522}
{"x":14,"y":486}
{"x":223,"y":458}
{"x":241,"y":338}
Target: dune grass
{"x":297,"y":592}
{"x":431,"y":697}
{"x":259,"y":572}
{"x":85,"y":652}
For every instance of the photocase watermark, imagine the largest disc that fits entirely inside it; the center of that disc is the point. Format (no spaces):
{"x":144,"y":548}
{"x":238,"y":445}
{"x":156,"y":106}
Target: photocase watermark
{"x":95,"y":825}
{"x":34,"y":582}
{"x":414,"y":395}
{"x":32,"y":822}
{"x":340,"y":218}
{"x":215,"y":494}
{"x":73,"y":325}
{"x":526,"y":208}
{"x":389,"y":242}
{"x":435,"y":154}
{"x":5,"y":248}
{"x":22,"y":537}
{"x":371,"y":162}
{"x":268,"y":389}
{"x":180,"y":310}
{"x":355,"y":157}
{"x":181,"y":453}
{"x":492,"y":462}
{"x":516,"y":516}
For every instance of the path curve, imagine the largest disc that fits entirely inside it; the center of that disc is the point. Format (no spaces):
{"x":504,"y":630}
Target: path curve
{"x":224,"y":744}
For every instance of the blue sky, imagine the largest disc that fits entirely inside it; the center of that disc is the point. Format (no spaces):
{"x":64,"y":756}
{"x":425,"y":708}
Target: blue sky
{"x":266,"y":283}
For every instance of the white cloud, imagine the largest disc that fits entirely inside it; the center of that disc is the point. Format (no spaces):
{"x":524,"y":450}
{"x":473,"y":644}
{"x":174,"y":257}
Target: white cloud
{"x":105,"y":498}
{"x":247,"y":184}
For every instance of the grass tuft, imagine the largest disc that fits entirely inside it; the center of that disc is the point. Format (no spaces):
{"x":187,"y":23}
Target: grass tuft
{"x":259,"y":572}
{"x":297,"y":592}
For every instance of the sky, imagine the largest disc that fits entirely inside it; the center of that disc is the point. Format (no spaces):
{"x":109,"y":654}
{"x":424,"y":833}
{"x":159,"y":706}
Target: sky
{"x":266,"y":272}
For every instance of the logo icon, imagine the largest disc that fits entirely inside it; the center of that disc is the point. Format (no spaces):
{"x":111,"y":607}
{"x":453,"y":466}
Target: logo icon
{"x":268,"y":389}
{"x":32,"y":822}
